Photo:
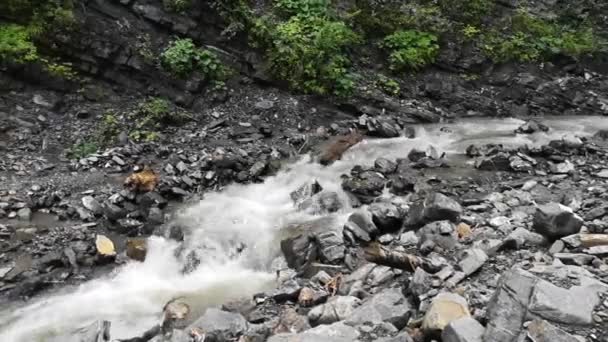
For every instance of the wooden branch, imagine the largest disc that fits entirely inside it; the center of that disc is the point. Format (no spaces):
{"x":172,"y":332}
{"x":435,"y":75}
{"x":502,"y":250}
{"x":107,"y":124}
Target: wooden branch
{"x":381,"y":255}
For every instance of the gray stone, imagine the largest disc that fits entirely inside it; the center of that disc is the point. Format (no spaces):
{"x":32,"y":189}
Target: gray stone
{"x":258,"y":168}
{"x":543,"y":331}
{"x":562,"y":168}
{"x":555,"y":221}
{"x":336,"y":309}
{"x":331,"y":246}
{"x":91,"y":204}
{"x":506,"y":311}
{"x":403,"y":337}
{"x":465,"y":329}
{"x":421,"y":282}
{"x":436,"y":207}
{"x":24,"y":214}
{"x":574,"y":258}
{"x":386,"y":216}
{"x":389,"y":305}
{"x":440,"y":233}
{"x":474,"y":259}
{"x":365,"y":186}
{"x":337,"y":332}
{"x":409,"y":238}
{"x":264,"y":105}
{"x":224,"y":326}
{"x":321,"y":203}
{"x":360,"y":227}
{"x":532,"y":126}
{"x":521,"y":236}
{"x":299,"y":251}
{"x":445,"y":308}
{"x":98,"y":331}
{"x":385,"y":166}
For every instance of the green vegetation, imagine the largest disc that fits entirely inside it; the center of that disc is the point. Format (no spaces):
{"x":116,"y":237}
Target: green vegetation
{"x":380,"y":20}
{"x":388,"y":85}
{"x":16,"y":44}
{"x":535,"y":39}
{"x":177,"y":6}
{"x":303,"y":8}
{"x":108,"y":130}
{"x":182,"y":57}
{"x":468,"y":11}
{"x":310,"y":54}
{"x":410,"y":50}
{"x":83,"y":149}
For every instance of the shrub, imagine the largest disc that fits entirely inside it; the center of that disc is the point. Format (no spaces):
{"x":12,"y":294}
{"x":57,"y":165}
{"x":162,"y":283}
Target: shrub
{"x":16,"y":44}
{"x":82,"y":150}
{"x":410,"y":49}
{"x":108,"y":129}
{"x":309,"y":53}
{"x":533,"y":39}
{"x":379,"y":20}
{"x":155,"y":112}
{"x":388,"y":85}
{"x":177,"y":5}
{"x":306,"y":8}
{"x":467,"y":11}
{"x":182,"y":57}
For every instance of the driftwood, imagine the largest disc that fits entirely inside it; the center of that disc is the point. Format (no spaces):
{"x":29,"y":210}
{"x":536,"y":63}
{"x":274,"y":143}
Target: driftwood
{"x":381,"y":255}
{"x":594,"y":240}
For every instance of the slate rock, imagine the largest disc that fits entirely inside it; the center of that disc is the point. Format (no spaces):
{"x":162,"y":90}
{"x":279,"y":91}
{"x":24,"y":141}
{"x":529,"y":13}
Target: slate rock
{"x":555,"y":221}
{"x":465,"y":329}
{"x":222,"y":325}
{"x":336,"y":309}
{"x":388,"y":305}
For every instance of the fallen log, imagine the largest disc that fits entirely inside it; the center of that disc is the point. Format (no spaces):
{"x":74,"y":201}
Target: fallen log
{"x":381,"y":255}
{"x":594,"y":240}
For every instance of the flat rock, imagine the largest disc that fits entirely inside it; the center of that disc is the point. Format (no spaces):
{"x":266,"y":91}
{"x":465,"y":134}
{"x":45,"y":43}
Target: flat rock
{"x":388,"y":305}
{"x":465,"y":329}
{"x":445,"y":308}
{"x":555,"y":221}
{"x":336,"y":309}
{"x":543,"y":331}
{"x":223,"y":325}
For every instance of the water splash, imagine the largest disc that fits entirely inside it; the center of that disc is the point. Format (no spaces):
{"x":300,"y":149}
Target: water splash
{"x":132,"y":296}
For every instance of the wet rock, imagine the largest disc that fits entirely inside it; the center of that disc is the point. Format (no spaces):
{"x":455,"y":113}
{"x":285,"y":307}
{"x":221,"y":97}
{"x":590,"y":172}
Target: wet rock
{"x":305,"y":192}
{"x":473,"y":260}
{"x":543,"y":331}
{"x":388,"y":305}
{"x":331,"y":246}
{"x":155,"y":216}
{"x":555,"y":221}
{"x":436,"y":207}
{"x":258,"y":169}
{"x":322,"y":203}
{"x":415,"y":155}
{"x":360,"y":227}
{"x":288,"y":290}
{"x":291,"y":321}
{"x":574,"y":258}
{"x":365,"y":186}
{"x":98,"y":331}
{"x":532,"y":126}
{"x":220,"y":326}
{"x":497,"y":162}
{"x":137,"y":248}
{"x":299,"y":251}
{"x":464,"y":329}
{"x":518,"y":164}
{"x":386,"y":216}
{"x":385,"y":166}
{"x":445,"y":308}
{"x":336,"y":309}
{"x":105,"y":246}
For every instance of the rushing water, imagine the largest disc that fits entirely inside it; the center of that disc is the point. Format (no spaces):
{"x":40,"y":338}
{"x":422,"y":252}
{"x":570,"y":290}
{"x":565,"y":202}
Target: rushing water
{"x":134,"y":294}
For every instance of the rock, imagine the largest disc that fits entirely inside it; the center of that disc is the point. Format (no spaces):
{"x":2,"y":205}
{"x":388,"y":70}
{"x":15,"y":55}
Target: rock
{"x":506,"y":311}
{"x":291,"y":321}
{"x":438,"y":233}
{"x":474,"y":259}
{"x":264,"y":105}
{"x":91,"y":204}
{"x":98,"y":331}
{"x":105,"y":246}
{"x":360,"y":227}
{"x":321,"y":203}
{"x":574,"y":258}
{"x":299,"y":251}
{"x":331,"y":246}
{"x":305,"y":192}
{"x":555,"y":221}
{"x":543,"y":331}
{"x":388,"y":305}
{"x":336,"y":332}
{"x":602,"y":174}
{"x":445,"y":308}
{"x":365,"y":186}
{"x":415,"y":155}
{"x":497,"y":162}
{"x":386,"y":216}
{"x":562,"y":168}
{"x":155,"y":216}
{"x":220,"y":326}
{"x":436,"y":207}
{"x":465,"y":329}
{"x":24,"y":214}
{"x":532,"y":126}
{"x":336,"y":309}
{"x":518,"y":164}
{"x":137,"y":248}
{"x":385,"y":166}
{"x":258,"y":168}
{"x":288,"y":290}
{"x":521,"y":236}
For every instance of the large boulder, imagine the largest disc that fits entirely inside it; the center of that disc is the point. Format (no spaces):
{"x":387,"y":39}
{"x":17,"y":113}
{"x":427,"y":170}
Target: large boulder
{"x":435,"y":207}
{"x":366,"y":186}
{"x":360,"y":227}
{"x":220,"y":326}
{"x":336,"y":309}
{"x":555,"y":221}
{"x":386,"y":216}
{"x":496,"y":162}
{"x":331,"y":246}
{"x":299,"y":251}
{"x":388,"y":305}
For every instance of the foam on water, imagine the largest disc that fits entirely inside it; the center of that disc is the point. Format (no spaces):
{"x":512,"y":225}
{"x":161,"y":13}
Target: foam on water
{"x":134,"y":294}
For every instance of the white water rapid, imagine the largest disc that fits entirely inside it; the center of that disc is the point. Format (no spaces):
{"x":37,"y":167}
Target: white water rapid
{"x":132,"y":296}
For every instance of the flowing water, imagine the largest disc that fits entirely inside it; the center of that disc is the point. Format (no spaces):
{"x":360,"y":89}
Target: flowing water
{"x":132,"y":296}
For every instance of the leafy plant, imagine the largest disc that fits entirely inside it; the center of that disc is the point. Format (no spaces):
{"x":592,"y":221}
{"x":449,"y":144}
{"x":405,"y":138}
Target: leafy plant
{"x":533,"y":39}
{"x":177,"y":5}
{"x":310,"y":54}
{"x":467,"y":11}
{"x":82,"y":150}
{"x":108,"y":129}
{"x":470,"y":31}
{"x":154,"y":112}
{"x":410,"y":49}
{"x":16,"y":44}
{"x":306,"y":8}
{"x":182,"y":57}
{"x":388,"y":85}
